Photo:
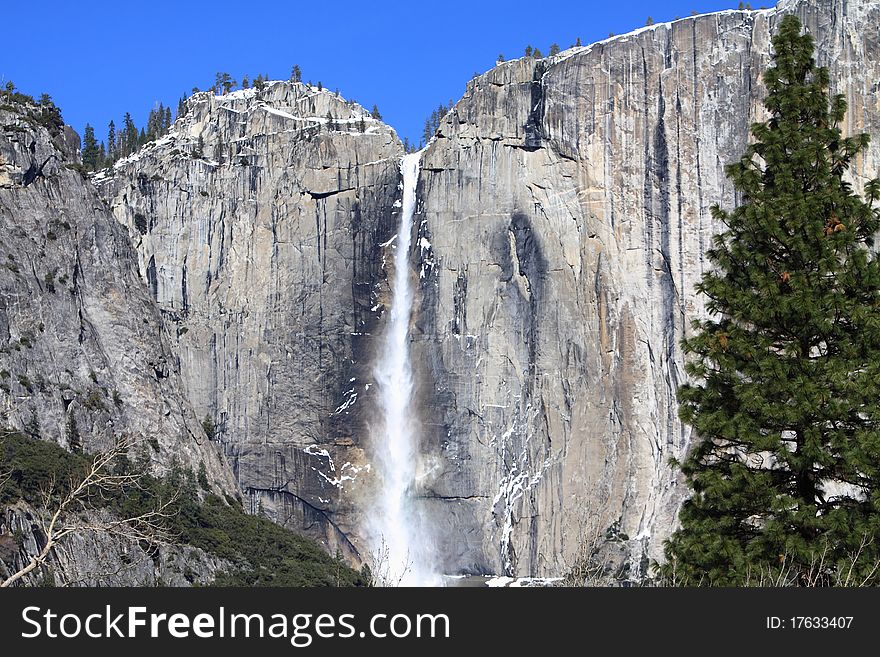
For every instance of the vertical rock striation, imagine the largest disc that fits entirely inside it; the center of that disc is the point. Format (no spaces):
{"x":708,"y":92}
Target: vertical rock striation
{"x":265,"y":255}
{"x":84,"y":355}
{"x":565,"y":220}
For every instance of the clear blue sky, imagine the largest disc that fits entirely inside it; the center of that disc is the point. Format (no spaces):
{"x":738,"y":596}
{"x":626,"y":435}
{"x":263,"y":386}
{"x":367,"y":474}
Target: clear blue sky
{"x":101,"y":59}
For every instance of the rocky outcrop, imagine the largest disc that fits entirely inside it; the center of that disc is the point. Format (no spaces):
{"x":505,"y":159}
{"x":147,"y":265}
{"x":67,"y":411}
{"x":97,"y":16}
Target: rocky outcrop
{"x":565,"y":216}
{"x":97,"y":558}
{"x":85,"y":359}
{"x":264,"y":253}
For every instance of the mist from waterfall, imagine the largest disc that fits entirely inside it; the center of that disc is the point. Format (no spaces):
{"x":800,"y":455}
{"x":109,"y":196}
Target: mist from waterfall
{"x":400,"y":543}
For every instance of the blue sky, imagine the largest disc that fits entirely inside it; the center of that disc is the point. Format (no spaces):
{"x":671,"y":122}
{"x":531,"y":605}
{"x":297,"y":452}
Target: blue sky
{"x":100,"y":59}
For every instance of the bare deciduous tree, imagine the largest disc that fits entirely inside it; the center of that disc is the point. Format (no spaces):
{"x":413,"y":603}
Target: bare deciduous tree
{"x":74,"y":511}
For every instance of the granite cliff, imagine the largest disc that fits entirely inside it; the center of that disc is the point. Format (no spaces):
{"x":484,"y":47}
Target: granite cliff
{"x":264,"y":252}
{"x":85,"y":359}
{"x":563,"y":218}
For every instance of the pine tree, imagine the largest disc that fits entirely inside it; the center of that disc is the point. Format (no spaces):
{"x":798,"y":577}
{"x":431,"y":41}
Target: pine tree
{"x":168,"y":120}
{"x":537,"y":54}
{"x":90,"y":152}
{"x":785,"y":392}
{"x":331,"y":122}
{"x":528,"y":51}
{"x":554,"y":49}
{"x":296,"y":74}
{"x":361,"y":125}
{"x":111,"y":141}
{"x":224,"y":83}
{"x":245,"y":83}
{"x":129,"y":135}
{"x":375,"y":113}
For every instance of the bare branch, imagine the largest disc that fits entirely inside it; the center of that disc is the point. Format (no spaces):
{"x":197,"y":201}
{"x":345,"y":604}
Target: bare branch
{"x":74,"y":512}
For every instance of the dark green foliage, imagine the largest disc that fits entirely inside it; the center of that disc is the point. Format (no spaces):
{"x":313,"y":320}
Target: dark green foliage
{"x":111,"y":141}
{"x":295,"y":74}
{"x":432,"y":123}
{"x":49,"y":116}
{"x":33,"y":465}
{"x":42,"y":112}
{"x":209,"y":427}
{"x":787,"y":401}
{"x":128,"y":141}
{"x":375,"y":113}
{"x":140,"y":223}
{"x":554,"y":49}
{"x":91,"y":157}
{"x":224,"y":83}
{"x":528,"y":51}
{"x":202,"y":477}
{"x":263,"y":553}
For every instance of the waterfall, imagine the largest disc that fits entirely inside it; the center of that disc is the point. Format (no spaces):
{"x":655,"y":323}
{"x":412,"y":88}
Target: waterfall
{"x":401,"y":548}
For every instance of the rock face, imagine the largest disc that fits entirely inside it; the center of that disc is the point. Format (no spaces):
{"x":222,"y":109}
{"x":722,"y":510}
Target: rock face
{"x":84,"y":355}
{"x":264,"y":254}
{"x":565,"y":220}
{"x":564,"y":214}
{"x":98,"y":559}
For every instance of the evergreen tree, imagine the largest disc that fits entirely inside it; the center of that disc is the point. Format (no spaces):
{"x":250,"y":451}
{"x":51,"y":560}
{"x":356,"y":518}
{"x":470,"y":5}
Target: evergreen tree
{"x":224,"y":83}
{"x":90,"y":151}
{"x":785,"y":396}
{"x":102,"y":156}
{"x":554,"y":49}
{"x":296,"y":74}
{"x":537,"y":54}
{"x":245,"y":83}
{"x":375,"y":113}
{"x":361,"y":125}
{"x":111,"y":141}
{"x":168,"y":120}
{"x":129,"y":135}
{"x":331,"y":122}
{"x":500,"y":58}
{"x":259,"y":85}
{"x":528,"y":51}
